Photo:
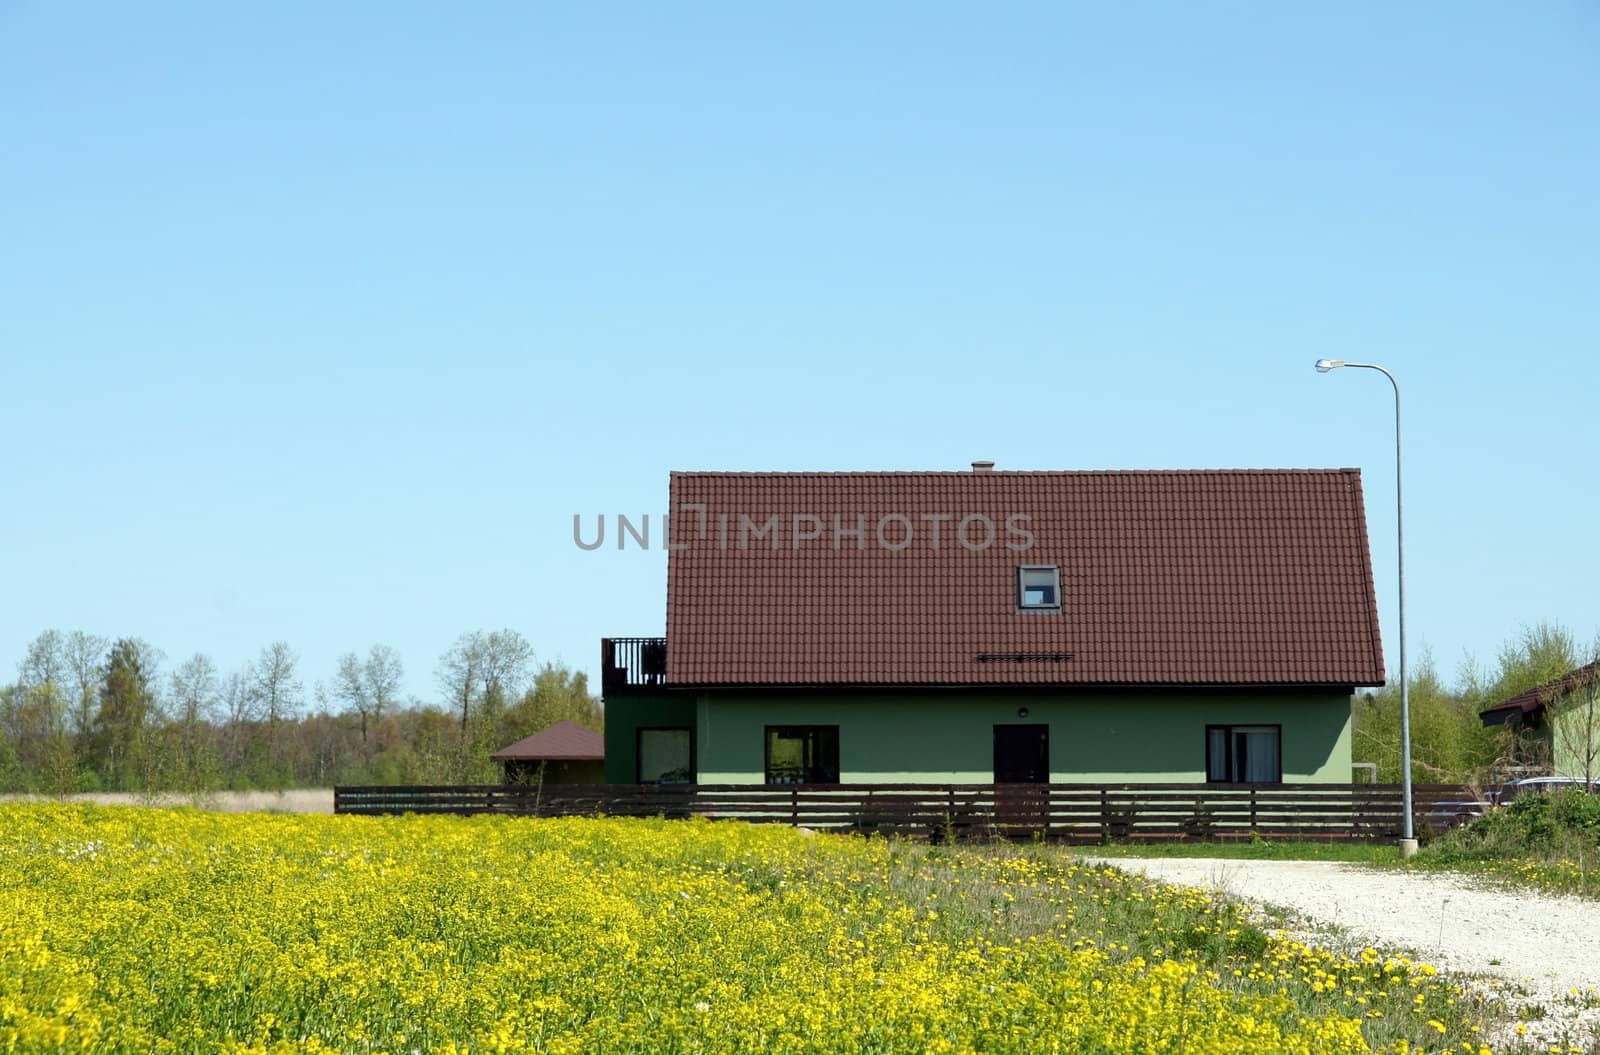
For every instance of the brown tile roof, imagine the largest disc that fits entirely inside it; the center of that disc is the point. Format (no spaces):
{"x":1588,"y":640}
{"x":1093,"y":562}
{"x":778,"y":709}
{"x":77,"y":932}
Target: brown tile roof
{"x":1537,"y":697}
{"x":1248,"y":577}
{"x":563,"y":741}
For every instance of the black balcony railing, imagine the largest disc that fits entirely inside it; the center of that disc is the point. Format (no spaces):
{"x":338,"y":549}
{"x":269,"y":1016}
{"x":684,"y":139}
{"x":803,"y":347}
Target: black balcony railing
{"x":632,"y":663}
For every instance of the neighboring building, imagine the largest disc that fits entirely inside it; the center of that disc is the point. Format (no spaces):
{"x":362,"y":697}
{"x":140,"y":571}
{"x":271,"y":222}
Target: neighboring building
{"x":976,"y":627}
{"x":1555,"y":742}
{"x":565,"y":753}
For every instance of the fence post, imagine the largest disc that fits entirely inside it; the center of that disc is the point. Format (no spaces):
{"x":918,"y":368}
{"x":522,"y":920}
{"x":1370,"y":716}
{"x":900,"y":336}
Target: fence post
{"x":794,"y":806}
{"x":1105,"y":816}
{"x":1252,"y":810}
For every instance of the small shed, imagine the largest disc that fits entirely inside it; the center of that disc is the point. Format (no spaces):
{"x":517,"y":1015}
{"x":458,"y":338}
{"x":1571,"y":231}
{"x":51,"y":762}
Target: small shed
{"x":565,"y":753}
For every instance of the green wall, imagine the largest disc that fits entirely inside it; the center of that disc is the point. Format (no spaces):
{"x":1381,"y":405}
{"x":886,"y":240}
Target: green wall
{"x":948,"y":738}
{"x":1566,"y":737}
{"x":626,"y":714}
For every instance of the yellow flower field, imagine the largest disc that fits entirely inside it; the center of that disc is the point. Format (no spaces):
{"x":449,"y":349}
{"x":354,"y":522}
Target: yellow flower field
{"x":127,"y":930}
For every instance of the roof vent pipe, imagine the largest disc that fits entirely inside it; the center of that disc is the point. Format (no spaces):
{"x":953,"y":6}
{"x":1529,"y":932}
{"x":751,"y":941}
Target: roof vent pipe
{"x":983,"y":467}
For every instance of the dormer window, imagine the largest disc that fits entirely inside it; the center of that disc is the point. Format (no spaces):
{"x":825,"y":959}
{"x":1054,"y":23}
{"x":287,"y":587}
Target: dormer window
{"x":1038,"y":588}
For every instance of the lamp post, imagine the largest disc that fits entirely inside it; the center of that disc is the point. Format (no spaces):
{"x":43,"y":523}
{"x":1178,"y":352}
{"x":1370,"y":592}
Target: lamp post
{"x":1408,"y":839}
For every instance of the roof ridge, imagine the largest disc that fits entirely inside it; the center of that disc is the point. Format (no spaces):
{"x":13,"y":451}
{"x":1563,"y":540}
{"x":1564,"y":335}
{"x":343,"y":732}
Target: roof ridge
{"x":968,"y":473}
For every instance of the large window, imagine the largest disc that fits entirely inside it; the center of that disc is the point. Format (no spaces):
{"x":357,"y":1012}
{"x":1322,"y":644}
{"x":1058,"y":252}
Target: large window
{"x":802,"y":754}
{"x":1244,"y":754}
{"x":666,"y":756}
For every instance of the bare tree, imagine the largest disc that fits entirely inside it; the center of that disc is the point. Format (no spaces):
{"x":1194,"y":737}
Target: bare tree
{"x":383,"y":672}
{"x":506,"y":656}
{"x":194,"y":691}
{"x":43,"y":672}
{"x":480,"y":666}
{"x":278,"y":693}
{"x":45,"y":661}
{"x":240,"y":710}
{"x":194,"y":703}
{"x":350,"y":689}
{"x":85,"y":661}
{"x":460,"y":672}
{"x":276,"y":686}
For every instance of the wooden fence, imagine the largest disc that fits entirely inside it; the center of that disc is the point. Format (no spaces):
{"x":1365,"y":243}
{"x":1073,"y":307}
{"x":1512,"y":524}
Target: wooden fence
{"x":1059,"y":812}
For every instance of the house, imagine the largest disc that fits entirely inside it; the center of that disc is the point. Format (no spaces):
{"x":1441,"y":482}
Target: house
{"x":1555,"y":742}
{"x":991,"y":626}
{"x":564,"y":753}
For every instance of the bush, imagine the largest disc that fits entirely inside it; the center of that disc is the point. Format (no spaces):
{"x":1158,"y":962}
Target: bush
{"x":1572,"y":810}
{"x":1549,"y":840}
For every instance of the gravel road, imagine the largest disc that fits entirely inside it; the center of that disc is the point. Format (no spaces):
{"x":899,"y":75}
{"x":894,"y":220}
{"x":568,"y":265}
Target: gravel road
{"x":1540,"y":947}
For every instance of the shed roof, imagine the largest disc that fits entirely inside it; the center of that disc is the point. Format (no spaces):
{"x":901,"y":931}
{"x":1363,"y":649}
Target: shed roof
{"x":563,"y":741}
{"x":1215,"y":577}
{"x":1536,"y":698}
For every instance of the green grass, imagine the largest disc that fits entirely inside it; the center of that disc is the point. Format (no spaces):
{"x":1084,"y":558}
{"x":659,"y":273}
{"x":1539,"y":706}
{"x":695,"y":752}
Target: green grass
{"x":1354,"y":851}
{"x":1548,"y":842}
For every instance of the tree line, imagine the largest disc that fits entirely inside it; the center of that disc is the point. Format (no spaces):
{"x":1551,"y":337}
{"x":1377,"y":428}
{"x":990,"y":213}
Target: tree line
{"x":89,"y":713}
{"x":1449,"y":742}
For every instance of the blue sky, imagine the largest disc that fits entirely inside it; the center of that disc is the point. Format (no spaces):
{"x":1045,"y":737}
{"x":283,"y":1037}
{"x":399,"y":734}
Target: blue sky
{"x":319,"y":322}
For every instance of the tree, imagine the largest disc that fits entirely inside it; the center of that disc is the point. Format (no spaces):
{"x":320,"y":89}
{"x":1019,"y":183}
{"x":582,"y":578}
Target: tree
{"x":127,"y":701}
{"x":479,"y":665}
{"x":45,"y":662}
{"x":1539,"y":654}
{"x":38,"y":755}
{"x":84,"y":655}
{"x":1447,"y":740}
{"x":240,"y":712}
{"x":506,"y":655}
{"x":459,"y":673}
{"x":558,"y":693}
{"x":43,"y":673}
{"x":371,"y":688}
{"x":194,"y":690}
{"x":278,"y":693}
{"x":276,"y":685}
{"x":350,"y":689}
{"x":194,"y":694}
{"x":383,"y":672}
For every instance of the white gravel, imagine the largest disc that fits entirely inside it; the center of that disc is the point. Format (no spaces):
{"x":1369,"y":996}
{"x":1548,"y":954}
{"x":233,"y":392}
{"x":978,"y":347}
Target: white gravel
{"x":1534,"y":949}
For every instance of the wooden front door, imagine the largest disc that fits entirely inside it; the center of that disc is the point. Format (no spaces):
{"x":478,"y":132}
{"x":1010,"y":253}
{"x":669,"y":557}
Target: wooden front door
{"x":1021,"y":773}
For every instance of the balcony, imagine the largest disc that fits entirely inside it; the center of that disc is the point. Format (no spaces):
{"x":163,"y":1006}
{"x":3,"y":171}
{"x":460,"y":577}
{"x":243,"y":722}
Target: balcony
{"x":629,"y":664}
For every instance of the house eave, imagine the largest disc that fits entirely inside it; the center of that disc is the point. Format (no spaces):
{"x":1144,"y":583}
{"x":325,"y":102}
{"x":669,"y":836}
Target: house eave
{"x":1054,"y":688}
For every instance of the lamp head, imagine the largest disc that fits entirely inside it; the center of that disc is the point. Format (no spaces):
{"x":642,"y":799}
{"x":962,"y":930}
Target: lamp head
{"x":1324,"y":365}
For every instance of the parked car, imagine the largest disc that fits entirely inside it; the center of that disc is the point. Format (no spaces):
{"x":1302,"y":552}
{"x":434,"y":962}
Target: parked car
{"x":1442,"y":816}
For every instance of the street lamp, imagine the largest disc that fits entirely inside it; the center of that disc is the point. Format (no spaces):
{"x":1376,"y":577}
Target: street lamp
{"x":1408,"y":840}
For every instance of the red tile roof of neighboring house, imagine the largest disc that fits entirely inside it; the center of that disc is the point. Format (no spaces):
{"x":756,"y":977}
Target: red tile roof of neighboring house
{"x":563,"y":741}
{"x":1537,"y":697}
{"x":1249,"y":577}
